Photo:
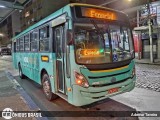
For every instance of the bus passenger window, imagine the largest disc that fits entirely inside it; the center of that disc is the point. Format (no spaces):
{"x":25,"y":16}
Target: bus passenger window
{"x":21,"y":44}
{"x":26,"y":43}
{"x":34,"y":39}
{"x":44,"y":39}
{"x":17,"y":45}
{"x":58,"y":43}
{"x":120,"y":42}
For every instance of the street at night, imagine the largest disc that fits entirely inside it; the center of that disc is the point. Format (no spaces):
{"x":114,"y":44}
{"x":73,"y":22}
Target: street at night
{"x":79,"y":59}
{"x":144,"y":97}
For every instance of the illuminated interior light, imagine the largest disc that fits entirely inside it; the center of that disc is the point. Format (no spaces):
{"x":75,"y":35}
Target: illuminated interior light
{"x":27,"y":14}
{"x":101,"y":51}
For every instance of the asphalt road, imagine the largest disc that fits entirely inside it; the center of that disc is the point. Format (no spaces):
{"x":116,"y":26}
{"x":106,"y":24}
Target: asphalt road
{"x":136,"y":100}
{"x":35,"y":92}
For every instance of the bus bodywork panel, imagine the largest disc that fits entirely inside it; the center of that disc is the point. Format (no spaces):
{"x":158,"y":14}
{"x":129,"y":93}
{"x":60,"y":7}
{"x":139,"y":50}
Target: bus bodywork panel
{"x":102,"y":77}
{"x":31,"y":63}
{"x":33,"y":66}
{"x":83,"y":96}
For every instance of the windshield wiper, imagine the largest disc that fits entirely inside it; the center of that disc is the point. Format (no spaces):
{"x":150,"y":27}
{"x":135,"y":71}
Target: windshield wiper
{"x":98,"y":29}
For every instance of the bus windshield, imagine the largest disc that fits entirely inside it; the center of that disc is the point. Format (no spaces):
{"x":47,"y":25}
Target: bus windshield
{"x":102,"y":43}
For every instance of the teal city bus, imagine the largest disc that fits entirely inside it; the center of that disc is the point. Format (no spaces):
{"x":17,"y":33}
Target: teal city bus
{"x":82,"y":53}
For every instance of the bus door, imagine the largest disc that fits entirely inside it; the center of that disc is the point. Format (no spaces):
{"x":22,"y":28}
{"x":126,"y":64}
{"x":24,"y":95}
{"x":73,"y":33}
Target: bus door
{"x":60,"y":64}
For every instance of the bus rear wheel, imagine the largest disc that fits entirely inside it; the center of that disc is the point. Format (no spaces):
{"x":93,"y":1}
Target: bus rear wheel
{"x":47,"y":88}
{"x":21,"y":75}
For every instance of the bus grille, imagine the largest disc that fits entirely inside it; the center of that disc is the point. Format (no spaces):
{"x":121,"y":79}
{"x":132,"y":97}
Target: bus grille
{"x":102,"y":85}
{"x":91,"y":77}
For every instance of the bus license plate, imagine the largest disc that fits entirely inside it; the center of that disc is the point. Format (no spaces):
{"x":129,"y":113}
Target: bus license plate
{"x":113,"y":90}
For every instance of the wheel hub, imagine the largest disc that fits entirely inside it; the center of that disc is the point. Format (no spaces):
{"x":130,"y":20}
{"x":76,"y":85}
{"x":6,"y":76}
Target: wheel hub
{"x":46,"y":87}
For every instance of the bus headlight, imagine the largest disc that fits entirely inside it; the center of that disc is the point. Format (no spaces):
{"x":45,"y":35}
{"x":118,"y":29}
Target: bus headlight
{"x":133,"y":72}
{"x":80,"y":80}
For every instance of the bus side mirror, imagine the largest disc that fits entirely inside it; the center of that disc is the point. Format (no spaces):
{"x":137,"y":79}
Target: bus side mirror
{"x":69,"y":37}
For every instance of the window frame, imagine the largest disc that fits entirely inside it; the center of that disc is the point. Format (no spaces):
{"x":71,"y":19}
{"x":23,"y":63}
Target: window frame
{"x":21,"y":39}
{"x":25,"y":42}
{"x":34,"y":40}
{"x":109,"y":35}
{"x":17,"y":44}
{"x":45,"y":39}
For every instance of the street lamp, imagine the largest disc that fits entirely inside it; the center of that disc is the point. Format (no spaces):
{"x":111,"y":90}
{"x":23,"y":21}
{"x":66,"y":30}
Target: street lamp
{"x":1,"y":37}
{"x":1,"y":34}
{"x":2,"y":6}
{"x":111,"y":1}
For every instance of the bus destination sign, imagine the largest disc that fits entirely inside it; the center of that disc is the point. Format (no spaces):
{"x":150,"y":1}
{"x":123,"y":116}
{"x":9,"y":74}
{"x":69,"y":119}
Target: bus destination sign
{"x":97,"y":13}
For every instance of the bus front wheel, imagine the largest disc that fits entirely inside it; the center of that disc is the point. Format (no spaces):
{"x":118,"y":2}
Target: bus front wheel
{"x":47,"y":88}
{"x":21,"y":75}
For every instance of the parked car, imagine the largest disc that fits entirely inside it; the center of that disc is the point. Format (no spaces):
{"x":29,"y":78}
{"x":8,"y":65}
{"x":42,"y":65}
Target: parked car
{"x":5,"y":51}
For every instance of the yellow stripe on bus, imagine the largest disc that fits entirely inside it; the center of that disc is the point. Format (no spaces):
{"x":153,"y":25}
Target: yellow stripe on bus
{"x":111,"y":70}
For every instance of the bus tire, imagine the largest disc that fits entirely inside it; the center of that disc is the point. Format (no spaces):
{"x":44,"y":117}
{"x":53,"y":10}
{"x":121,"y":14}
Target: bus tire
{"x":21,"y":75}
{"x":47,"y":87}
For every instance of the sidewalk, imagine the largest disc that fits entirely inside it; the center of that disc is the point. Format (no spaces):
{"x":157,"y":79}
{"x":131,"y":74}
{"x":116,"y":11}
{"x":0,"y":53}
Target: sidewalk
{"x":6,"y":58}
{"x":147,"y":61}
{"x":12,"y":94}
{"x":10,"y":97}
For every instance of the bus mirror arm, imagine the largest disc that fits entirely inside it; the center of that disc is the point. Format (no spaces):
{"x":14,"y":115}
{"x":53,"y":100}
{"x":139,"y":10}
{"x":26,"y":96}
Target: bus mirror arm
{"x":68,"y":49}
{"x":69,"y":37}
{"x":133,"y":54}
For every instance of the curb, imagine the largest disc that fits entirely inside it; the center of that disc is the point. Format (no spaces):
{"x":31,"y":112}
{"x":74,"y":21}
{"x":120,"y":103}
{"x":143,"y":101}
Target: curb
{"x":148,"y":63}
{"x":26,"y":98}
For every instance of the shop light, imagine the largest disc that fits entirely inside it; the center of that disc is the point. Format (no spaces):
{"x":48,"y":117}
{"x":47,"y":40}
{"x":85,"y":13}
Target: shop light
{"x":2,"y":6}
{"x":1,"y":35}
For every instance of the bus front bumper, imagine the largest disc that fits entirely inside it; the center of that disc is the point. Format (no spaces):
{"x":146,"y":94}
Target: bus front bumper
{"x":83,"y":96}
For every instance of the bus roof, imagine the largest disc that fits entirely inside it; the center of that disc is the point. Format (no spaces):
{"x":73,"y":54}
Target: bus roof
{"x":56,"y":14}
{"x":90,"y":5}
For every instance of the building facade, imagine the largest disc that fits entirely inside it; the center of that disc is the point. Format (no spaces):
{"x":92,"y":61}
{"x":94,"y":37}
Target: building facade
{"x":6,"y":31}
{"x":36,"y":10}
{"x":141,"y":33}
{"x":9,"y":28}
